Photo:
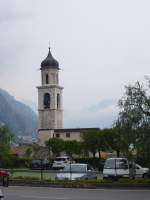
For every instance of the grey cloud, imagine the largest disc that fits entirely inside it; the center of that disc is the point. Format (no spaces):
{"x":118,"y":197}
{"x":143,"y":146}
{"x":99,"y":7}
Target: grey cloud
{"x":101,"y":115}
{"x":12,"y":11}
{"x":101,"y":45}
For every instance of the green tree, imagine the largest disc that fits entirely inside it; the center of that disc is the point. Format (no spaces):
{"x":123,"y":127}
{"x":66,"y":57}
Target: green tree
{"x":28,"y":152}
{"x":72,"y":147}
{"x":5,"y":140}
{"x":55,"y":145}
{"x":134,"y":120}
{"x":90,"y":141}
{"x":95,"y":141}
{"x":102,"y":141}
{"x":5,"y":136}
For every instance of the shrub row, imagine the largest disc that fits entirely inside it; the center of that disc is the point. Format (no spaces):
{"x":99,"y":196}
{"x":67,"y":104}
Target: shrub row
{"x":15,"y":162}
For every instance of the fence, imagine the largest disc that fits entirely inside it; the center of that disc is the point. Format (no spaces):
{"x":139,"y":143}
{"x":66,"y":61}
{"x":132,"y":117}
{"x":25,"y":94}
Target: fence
{"x":46,"y":175}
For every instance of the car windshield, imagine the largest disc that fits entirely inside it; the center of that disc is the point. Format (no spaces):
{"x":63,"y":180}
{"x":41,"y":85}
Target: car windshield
{"x":116,"y":163}
{"x":75,"y":168}
{"x":110,"y":164}
{"x":121,"y":164}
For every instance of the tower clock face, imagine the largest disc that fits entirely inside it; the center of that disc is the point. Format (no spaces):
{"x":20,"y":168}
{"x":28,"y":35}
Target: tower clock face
{"x":47,"y":100}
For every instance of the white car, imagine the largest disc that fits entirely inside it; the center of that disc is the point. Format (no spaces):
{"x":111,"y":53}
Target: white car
{"x":77,"y":171}
{"x":116,"y":168}
{"x":60,"y":162}
{"x":120,"y":168}
{"x":141,"y":172}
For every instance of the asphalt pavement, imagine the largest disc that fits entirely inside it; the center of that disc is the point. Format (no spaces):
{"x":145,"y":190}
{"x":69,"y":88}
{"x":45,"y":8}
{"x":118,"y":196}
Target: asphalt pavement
{"x":46,"y":193}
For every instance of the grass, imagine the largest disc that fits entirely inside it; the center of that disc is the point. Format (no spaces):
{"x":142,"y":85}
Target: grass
{"x":47,"y":175}
{"x":33,"y":174}
{"x":29,"y":175}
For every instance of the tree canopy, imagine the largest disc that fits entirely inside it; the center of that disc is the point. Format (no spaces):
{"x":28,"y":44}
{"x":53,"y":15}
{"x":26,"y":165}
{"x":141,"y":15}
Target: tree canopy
{"x":133,"y":121}
{"x":95,"y":141}
{"x":55,"y":145}
{"x":5,"y":140}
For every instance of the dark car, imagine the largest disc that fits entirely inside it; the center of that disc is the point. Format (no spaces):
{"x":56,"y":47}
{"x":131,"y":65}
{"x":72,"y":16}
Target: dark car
{"x":41,"y":164}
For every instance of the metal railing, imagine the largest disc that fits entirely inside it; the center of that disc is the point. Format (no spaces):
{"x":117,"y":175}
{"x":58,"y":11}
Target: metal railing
{"x":45,"y":175}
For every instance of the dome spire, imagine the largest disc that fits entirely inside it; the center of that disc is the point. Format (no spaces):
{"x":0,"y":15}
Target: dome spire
{"x":49,"y":49}
{"x":49,"y":61}
{"x":49,"y":52}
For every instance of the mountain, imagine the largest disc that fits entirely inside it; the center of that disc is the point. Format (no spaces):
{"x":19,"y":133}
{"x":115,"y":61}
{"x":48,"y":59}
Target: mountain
{"x":18,"y":117}
{"x":31,"y":104}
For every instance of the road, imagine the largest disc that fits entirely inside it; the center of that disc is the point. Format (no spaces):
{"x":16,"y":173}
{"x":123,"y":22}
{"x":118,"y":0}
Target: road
{"x":46,"y":193}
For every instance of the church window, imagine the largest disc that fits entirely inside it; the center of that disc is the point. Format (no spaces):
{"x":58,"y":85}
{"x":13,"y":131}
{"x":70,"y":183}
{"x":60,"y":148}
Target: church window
{"x":47,"y":100}
{"x":47,"y":79}
{"x":58,"y":100}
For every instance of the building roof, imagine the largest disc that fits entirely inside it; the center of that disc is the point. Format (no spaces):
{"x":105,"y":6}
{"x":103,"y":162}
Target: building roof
{"x":49,"y":62}
{"x":71,"y":130}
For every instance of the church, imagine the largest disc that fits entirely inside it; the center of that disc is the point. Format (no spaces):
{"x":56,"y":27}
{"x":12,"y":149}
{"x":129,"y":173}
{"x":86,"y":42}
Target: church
{"x":50,"y":105}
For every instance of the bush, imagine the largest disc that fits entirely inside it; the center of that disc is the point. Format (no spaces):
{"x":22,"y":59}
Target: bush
{"x":11,"y":161}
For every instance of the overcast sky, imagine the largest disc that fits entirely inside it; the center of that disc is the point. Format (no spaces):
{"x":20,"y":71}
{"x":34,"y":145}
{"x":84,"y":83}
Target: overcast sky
{"x":101,"y":45}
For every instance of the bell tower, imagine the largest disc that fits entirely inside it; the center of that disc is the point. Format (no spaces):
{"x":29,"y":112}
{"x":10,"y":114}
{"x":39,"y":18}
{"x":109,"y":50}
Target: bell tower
{"x":50,"y":95}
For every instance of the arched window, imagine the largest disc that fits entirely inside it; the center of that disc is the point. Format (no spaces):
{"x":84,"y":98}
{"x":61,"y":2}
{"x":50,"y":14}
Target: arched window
{"x":47,"y":100}
{"x":58,"y":100}
{"x":47,"y":79}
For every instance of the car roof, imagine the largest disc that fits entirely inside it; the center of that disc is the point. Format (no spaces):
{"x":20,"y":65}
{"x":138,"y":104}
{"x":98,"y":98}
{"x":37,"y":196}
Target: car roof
{"x":116,"y":158}
{"x":62,"y":157}
{"x":80,"y":164}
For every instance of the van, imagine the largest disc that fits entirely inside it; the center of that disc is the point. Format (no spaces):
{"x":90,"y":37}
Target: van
{"x":120,"y":168}
{"x":60,"y":162}
{"x":116,"y":168}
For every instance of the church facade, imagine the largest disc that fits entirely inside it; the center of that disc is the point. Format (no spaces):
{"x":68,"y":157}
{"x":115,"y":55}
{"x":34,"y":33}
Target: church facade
{"x":50,"y":105}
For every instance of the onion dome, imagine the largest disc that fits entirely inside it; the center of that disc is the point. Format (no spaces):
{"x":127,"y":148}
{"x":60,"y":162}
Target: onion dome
{"x":49,"y":62}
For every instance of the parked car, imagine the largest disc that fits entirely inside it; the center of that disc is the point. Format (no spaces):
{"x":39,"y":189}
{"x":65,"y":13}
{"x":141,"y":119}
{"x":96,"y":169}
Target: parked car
{"x":77,"y":171}
{"x":4,"y":176}
{"x":116,"y":168}
{"x":4,"y":172}
{"x":120,"y":168}
{"x":41,"y":164}
{"x":61,"y":161}
{"x":141,"y":172}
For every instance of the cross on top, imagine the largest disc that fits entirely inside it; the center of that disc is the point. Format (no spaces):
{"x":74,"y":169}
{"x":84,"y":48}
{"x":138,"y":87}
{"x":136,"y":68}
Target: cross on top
{"x":49,"y":44}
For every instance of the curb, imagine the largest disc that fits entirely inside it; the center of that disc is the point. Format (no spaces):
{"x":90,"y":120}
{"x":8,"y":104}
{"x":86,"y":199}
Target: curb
{"x":82,"y":186}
